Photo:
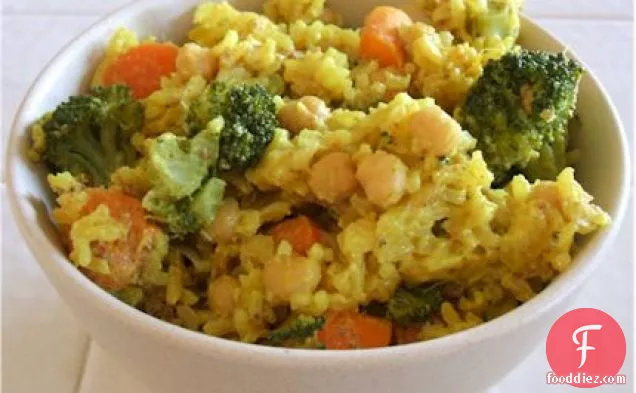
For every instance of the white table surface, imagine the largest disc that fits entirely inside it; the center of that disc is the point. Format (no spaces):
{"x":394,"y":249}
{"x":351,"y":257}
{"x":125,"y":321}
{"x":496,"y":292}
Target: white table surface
{"x":43,"y":348}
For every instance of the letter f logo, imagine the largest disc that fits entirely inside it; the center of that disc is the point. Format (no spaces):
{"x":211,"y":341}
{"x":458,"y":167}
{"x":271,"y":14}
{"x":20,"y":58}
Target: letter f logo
{"x":583,"y":344}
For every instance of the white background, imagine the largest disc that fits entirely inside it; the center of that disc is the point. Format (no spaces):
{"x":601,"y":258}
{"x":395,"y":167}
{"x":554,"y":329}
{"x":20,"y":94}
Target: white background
{"x":43,"y":348}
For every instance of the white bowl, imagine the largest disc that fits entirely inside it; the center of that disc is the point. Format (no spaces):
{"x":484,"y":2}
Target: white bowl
{"x":171,"y":359}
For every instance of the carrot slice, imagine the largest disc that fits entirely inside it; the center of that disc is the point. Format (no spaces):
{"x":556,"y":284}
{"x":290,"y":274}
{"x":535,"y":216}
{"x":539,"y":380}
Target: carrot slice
{"x":142,"y":67}
{"x":351,"y":330}
{"x":380,"y":39}
{"x":123,"y":255}
{"x":387,"y":18}
{"x":386,"y":49}
{"x":300,"y":232}
{"x":122,"y":207}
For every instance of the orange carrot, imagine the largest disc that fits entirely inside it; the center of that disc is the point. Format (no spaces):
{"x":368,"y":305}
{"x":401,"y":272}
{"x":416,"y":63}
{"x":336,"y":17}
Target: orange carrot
{"x":380,"y":39}
{"x":142,"y":67}
{"x":387,"y":18}
{"x":351,"y":330}
{"x":122,"y":207}
{"x":384,"y":48}
{"x":300,"y":232}
{"x":123,"y":255}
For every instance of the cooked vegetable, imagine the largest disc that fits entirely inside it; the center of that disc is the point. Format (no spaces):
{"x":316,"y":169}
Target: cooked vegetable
{"x":468,"y":19}
{"x":114,"y":260}
{"x":352,"y":330}
{"x":189,"y":214}
{"x":379,"y":36}
{"x":178,"y":167}
{"x":89,"y":135}
{"x":301,"y":328}
{"x":434,"y":131}
{"x":121,"y":207}
{"x":309,"y":112}
{"x":207,"y":200}
{"x":375,"y":309}
{"x":300,"y":232}
{"x":223,"y":228}
{"x":142,"y":67}
{"x":333,"y":177}
{"x":382,"y":175}
{"x":553,"y":157}
{"x":414,"y":304}
{"x":519,"y":112}
{"x":500,"y":18}
{"x":250,"y":118}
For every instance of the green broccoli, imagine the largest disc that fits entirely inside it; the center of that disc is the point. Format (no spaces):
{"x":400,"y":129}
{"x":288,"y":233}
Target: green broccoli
{"x":189,"y":214}
{"x":553,"y":157}
{"x":179,"y":165}
{"x":181,"y":198}
{"x":207,"y":200}
{"x":301,"y":328}
{"x":175,"y":216}
{"x":519,"y":111}
{"x":250,"y":118}
{"x":499,"y":18}
{"x":89,"y":135}
{"x":482,"y":19}
{"x":414,"y":304}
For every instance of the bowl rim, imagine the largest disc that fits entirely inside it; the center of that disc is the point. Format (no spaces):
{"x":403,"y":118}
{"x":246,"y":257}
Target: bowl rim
{"x":197,"y":342}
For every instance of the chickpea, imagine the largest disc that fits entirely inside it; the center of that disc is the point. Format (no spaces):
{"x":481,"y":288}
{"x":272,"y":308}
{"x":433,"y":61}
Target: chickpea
{"x":307,"y":113}
{"x":383,"y":178}
{"x":332,"y":178}
{"x":193,"y":59}
{"x":434,"y":131}
{"x":223,"y":227}
{"x":221,"y":294}
{"x":286,"y":276}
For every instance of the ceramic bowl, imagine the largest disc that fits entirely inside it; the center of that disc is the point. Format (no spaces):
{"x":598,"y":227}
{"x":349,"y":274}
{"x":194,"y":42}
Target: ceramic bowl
{"x":170,"y":359}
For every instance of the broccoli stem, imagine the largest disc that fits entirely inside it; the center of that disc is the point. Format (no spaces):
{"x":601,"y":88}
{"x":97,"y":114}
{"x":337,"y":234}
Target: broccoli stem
{"x":299,"y":329}
{"x":415,"y":304}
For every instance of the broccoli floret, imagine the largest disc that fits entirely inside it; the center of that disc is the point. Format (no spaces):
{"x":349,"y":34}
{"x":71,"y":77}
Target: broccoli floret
{"x":181,"y":198}
{"x":175,"y":216}
{"x":189,"y":214}
{"x":207,"y":200}
{"x":414,"y":304}
{"x":250,"y":118}
{"x":89,"y":135}
{"x":409,"y":304}
{"x":551,"y":160}
{"x":207,"y":106}
{"x":301,"y":328}
{"x":179,"y":165}
{"x":176,"y":172}
{"x":499,"y":18}
{"x":469,"y":20}
{"x":519,"y":112}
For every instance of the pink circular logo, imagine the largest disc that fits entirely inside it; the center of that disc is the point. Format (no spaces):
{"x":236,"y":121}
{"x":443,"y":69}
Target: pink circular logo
{"x":586,"y":348}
